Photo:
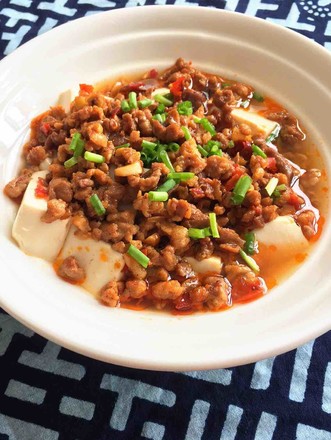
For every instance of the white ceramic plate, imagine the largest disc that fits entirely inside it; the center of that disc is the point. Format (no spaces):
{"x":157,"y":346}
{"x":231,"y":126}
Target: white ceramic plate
{"x":281,"y":63}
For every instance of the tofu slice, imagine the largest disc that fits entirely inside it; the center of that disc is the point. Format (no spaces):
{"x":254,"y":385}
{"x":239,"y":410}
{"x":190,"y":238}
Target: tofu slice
{"x":259,"y":125}
{"x":100,"y":262}
{"x":283,"y":233}
{"x":212,"y":264}
{"x":66,"y":97}
{"x":34,"y":237}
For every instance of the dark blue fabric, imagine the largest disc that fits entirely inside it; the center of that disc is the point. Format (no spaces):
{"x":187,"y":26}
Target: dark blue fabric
{"x":50,"y":393}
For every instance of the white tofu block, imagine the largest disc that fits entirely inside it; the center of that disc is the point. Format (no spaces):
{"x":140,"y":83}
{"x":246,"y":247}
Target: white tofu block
{"x":259,"y":125}
{"x":45,"y":164}
{"x":100,"y":262}
{"x":65,"y":98}
{"x":212,"y":264}
{"x":34,"y":237}
{"x":283,"y":233}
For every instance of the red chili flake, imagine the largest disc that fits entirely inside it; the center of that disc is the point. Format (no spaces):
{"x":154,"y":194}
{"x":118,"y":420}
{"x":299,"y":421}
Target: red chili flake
{"x":133,"y":87}
{"x":86,"y":88}
{"x":176,"y":88}
{"x":114,"y":112}
{"x":271,"y":166}
{"x":294,"y":200}
{"x":247,"y":290}
{"x":41,"y":191}
{"x":153,"y":73}
{"x":45,"y":128}
{"x":230,"y":184}
{"x":244,"y":148}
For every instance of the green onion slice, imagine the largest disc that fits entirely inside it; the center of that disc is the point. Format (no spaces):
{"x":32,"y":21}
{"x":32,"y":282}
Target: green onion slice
{"x":160,"y":109}
{"x":271,"y":185}
{"x":258,"y":152}
{"x":186,"y":132}
{"x":249,"y":246}
{"x":93,"y":157}
{"x":97,"y":205}
{"x":213,"y":225}
{"x":163,"y":100}
{"x":199,"y":233}
{"x":181,"y":176}
{"x":158,"y":196}
{"x":123,"y":146}
{"x":225,"y":84}
{"x":70,"y":162}
{"x":208,"y":126}
{"x":165,"y":159}
{"x":145,"y":103}
{"x":148,"y":144}
{"x":160,"y":117}
{"x":258,"y":97}
{"x":230,"y":144}
{"x":245,"y":104}
{"x":273,"y":135}
{"x":240,"y":190}
{"x":77,"y":145}
{"x":137,"y":255}
{"x":133,"y":100}
{"x":249,"y":261}
{"x":185,"y":108}
{"x":173,"y":146}
{"x":202,"y":151}
{"x":125,"y":106}
{"x":167,"y":185}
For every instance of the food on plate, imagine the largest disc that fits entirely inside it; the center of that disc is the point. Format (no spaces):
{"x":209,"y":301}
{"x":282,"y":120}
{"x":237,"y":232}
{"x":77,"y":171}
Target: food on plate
{"x":180,"y":190}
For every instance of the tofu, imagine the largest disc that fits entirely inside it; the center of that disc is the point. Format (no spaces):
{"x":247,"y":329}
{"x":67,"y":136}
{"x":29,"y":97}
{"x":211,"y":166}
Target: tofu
{"x":34,"y":237}
{"x":100,"y":262}
{"x":283,"y":233}
{"x":65,"y":99}
{"x":212,"y":264}
{"x":259,"y":125}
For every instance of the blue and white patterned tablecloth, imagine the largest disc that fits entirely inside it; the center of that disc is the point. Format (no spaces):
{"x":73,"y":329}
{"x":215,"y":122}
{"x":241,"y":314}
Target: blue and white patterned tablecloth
{"x":49,"y":393}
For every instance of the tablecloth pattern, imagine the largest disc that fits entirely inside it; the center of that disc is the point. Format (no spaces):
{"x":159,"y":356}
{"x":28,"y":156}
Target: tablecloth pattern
{"x":50,"y":393}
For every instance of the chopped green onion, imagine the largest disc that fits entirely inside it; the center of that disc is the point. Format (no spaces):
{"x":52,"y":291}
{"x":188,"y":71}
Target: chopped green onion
{"x":163,"y":100}
{"x":230,"y":144}
{"x":181,"y":176}
{"x":199,"y":233}
{"x":123,"y":146}
{"x":97,"y":205}
{"x":125,"y":106}
{"x":249,"y":261}
{"x":274,"y":134}
{"x":185,"y":108}
{"x":137,"y":255}
{"x":213,"y":225}
{"x":240,"y":190}
{"x":160,"y":117}
{"x":145,"y":103}
{"x":278,"y":190}
{"x":208,"y":126}
{"x":77,"y":145}
{"x":173,"y":146}
{"x":225,"y":84}
{"x":93,"y":157}
{"x":133,"y":100}
{"x":158,"y":196}
{"x":244,"y":104}
{"x":148,"y":144}
{"x":202,"y":151}
{"x":186,"y":132}
{"x":160,"y":109}
{"x":249,"y":243}
{"x":196,"y":119}
{"x":165,"y":159}
{"x":271,"y":185}
{"x":213,"y":148}
{"x":258,"y":152}
{"x":167,"y":185}
{"x":258,"y":97}
{"x":70,"y":162}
